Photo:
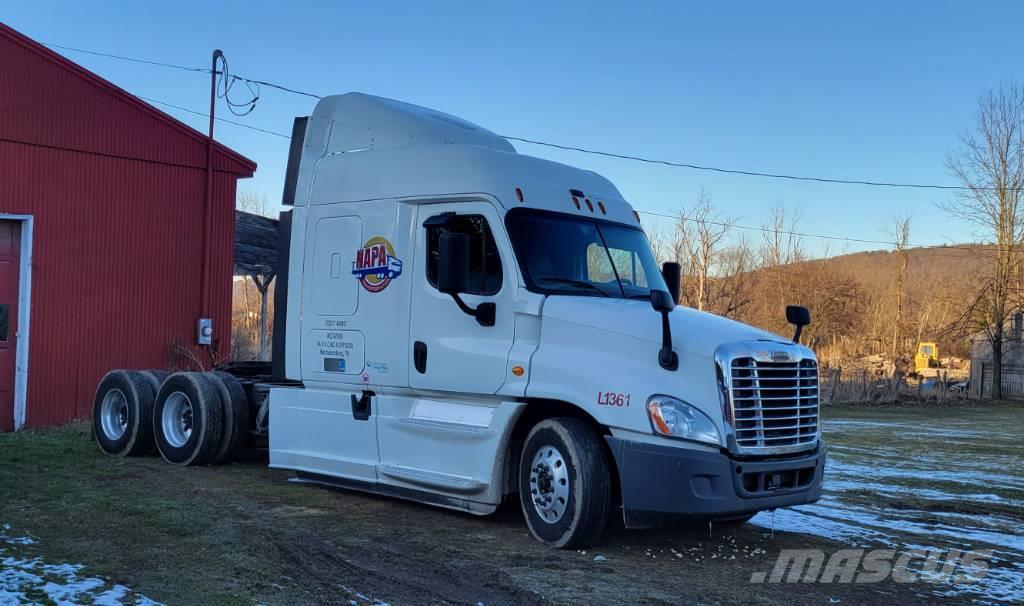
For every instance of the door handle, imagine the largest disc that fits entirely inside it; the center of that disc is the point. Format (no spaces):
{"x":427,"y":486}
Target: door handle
{"x":361,"y":406}
{"x":419,"y":356}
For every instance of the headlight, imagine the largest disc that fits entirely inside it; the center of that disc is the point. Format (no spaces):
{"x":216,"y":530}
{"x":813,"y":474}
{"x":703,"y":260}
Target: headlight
{"x":677,"y":419}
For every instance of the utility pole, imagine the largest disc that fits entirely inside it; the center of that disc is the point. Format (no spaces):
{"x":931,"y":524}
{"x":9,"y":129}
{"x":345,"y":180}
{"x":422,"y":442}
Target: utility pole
{"x":204,"y":295}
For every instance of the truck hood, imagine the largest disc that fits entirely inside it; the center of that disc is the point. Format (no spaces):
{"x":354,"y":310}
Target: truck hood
{"x":693,"y":331}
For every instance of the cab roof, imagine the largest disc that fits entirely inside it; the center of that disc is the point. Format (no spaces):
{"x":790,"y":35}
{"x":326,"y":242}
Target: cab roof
{"x":362,"y":147}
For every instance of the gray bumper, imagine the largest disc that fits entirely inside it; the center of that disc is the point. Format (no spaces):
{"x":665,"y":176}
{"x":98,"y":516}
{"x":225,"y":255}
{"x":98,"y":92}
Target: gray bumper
{"x":661,"y":482}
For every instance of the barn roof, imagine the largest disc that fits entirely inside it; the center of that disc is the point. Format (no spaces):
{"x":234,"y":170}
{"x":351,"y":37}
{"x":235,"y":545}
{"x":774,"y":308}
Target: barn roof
{"x":25,"y":88}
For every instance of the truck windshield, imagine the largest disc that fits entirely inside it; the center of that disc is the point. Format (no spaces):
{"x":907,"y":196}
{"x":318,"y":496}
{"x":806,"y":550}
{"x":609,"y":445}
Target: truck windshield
{"x":563,"y":254}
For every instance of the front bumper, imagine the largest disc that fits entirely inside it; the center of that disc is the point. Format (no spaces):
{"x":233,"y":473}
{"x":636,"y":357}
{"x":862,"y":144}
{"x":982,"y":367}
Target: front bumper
{"x":662,"y":482}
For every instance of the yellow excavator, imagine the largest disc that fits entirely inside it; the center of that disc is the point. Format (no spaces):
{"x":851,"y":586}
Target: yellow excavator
{"x":926,"y":362}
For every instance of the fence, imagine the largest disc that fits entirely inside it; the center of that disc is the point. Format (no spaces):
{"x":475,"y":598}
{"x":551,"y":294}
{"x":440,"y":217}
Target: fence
{"x":1013,"y":381}
{"x":860,"y":385}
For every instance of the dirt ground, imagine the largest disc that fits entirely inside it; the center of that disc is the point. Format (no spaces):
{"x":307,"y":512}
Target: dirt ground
{"x":245,"y":534}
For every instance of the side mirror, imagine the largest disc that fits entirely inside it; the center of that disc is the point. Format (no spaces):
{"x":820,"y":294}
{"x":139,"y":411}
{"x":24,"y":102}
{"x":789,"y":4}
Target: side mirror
{"x":453,"y":263}
{"x":453,"y":276}
{"x":672,"y":273}
{"x":798,"y":316}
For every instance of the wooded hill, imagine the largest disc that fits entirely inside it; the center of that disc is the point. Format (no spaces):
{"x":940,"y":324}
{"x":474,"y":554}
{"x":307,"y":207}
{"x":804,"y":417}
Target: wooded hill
{"x":859,"y":305}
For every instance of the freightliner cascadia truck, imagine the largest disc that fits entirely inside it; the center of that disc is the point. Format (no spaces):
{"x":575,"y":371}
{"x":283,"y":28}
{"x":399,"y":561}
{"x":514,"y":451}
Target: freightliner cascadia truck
{"x":459,"y":324}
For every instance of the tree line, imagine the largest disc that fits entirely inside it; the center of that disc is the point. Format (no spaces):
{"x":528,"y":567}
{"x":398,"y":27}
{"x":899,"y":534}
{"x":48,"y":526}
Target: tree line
{"x":882,"y":302}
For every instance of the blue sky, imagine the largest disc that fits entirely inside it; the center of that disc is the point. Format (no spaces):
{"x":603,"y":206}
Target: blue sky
{"x":872,"y":90}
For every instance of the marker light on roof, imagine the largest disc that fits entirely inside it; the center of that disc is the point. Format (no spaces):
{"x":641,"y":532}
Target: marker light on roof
{"x":601,"y":206}
{"x":519,"y":194}
{"x":576,"y":201}
{"x":589,"y":204}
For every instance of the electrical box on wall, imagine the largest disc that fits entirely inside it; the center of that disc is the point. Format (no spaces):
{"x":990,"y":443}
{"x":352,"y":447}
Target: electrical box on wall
{"x":205,"y":333}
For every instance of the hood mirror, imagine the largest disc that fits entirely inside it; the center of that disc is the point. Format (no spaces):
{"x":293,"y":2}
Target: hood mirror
{"x":798,"y":316}
{"x":661,"y":301}
{"x":672,"y":273}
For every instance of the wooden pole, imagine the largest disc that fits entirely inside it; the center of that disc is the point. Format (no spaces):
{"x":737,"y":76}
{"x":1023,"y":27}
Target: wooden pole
{"x":263,"y":285}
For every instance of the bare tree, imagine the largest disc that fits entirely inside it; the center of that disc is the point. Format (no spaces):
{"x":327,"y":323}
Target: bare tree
{"x":699,"y":247}
{"x":901,"y":234}
{"x":782,"y":244}
{"x":990,"y":164}
{"x":254,"y":203}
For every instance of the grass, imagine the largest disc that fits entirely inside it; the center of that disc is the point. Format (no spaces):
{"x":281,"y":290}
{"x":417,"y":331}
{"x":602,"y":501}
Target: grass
{"x":114,"y":514}
{"x":242,"y":534}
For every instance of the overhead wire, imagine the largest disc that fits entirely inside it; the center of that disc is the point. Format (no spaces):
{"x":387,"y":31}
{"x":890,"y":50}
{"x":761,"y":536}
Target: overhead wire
{"x":206,"y":115}
{"x":227,"y":80}
{"x":223,"y":87}
{"x":585,"y":150}
{"x":675,"y":217}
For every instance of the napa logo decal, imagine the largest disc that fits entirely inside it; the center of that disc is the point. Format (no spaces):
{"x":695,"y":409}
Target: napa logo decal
{"x":376,"y":264}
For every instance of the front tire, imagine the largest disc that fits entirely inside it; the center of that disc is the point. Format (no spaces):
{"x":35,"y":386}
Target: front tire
{"x":564,"y":483}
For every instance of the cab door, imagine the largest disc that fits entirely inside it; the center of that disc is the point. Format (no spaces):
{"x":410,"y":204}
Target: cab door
{"x":450,"y":350}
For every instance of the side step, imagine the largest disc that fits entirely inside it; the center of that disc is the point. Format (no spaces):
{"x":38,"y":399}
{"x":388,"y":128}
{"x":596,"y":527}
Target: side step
{"x":433,"y":479}
{"x":409,"y":494}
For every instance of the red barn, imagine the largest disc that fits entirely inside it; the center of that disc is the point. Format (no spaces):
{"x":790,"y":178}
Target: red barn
{"x":102,"y":219}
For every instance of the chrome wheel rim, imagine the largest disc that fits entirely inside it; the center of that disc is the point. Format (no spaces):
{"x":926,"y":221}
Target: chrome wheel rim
{"x":549,"y":484}
{"x":176,"y":420}
{"x":114,"y":414}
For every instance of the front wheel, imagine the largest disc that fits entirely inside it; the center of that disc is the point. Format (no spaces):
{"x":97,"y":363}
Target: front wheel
{"x":564,"y":483}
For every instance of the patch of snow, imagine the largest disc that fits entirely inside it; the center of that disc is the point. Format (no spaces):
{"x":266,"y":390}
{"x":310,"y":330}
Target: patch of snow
{"x":361,"y":598}
{"x":22,"y":575}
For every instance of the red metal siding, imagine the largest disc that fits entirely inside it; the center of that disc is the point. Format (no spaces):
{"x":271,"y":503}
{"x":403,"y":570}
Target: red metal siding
{"x":49,"y":101}
{"x":116,"y":193}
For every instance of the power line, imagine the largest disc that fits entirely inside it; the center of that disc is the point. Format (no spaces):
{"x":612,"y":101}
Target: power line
{"x":674,"y":164}
{"x":653,"y":213}
{"x":633,"y":158}
{"x":205,"y":115}
{"x":202,"y":70}
{"x":257,"y":83}
{"x":769,"y":230}
{"x":132,"y":59}
{"x":736,"y":171}
{"x":281,"y":88}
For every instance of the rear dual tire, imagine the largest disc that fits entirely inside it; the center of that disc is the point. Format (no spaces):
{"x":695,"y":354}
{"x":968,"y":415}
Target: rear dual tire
{"x":236,"y":415}
{"x":191,"y":418}
{"x":122,"y":413}
{"x":188,"y":419}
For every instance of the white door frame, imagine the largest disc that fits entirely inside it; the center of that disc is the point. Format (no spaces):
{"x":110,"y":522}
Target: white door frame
{"x":24,"y":308}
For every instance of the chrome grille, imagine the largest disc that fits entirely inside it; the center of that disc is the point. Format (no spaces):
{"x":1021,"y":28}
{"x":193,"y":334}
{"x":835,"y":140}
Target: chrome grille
{"x":774,"y":404}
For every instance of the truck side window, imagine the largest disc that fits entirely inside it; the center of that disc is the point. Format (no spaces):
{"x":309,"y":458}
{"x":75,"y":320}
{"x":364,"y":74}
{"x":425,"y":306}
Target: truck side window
{"x":484,"y":260}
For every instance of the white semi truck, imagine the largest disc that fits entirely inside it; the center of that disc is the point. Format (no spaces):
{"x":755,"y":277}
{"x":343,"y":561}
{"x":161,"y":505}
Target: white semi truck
{"x":457,"y":324}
